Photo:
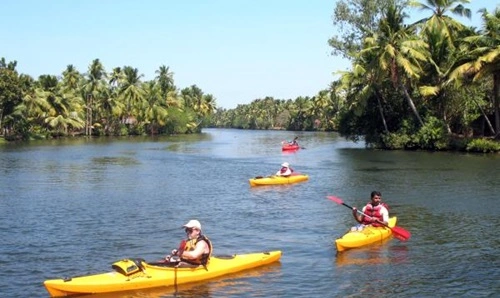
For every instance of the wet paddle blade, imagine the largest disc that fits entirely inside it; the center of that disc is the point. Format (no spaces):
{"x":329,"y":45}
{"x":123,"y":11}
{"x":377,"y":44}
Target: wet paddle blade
{"x":335,"y":199}
{"x":401,"y":234}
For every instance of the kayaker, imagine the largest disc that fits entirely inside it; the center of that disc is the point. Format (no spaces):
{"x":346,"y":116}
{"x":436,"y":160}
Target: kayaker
{"x":294,"y":142}
{"x":197,"y":249}
{"x":285,"y":170}
{"x":376,"y":211}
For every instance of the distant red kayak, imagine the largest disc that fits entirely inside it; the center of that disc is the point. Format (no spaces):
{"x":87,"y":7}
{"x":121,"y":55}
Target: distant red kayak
{"x":286,"y":147}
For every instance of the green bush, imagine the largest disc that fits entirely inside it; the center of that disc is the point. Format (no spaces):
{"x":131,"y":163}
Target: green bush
{"x":432,"y":135}
{"x":483,"y":145}
{"x":395,"y":141}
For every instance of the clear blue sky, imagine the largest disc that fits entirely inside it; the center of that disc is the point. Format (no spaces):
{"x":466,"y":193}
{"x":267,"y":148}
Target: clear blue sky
{"x":236,"y":50}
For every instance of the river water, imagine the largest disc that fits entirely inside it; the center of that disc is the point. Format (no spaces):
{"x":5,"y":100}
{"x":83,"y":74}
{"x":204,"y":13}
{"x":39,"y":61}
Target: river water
{"x":73,"y":207}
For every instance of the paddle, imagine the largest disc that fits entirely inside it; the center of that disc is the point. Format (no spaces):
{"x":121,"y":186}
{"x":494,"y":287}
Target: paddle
{"x":179,"y":252}
{"x":260,"y":177}
{"x":181,"y":248}
{"x":398,"y":232}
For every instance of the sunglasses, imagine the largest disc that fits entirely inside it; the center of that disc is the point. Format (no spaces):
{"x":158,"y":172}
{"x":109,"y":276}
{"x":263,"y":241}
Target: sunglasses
{"x":189,"y":230}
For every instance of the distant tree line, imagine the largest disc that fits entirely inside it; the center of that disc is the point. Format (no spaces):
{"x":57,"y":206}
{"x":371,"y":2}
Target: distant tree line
{"x":98,"y":103}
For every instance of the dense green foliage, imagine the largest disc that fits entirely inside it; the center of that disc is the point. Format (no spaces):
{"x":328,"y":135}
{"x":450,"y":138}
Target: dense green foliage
{"x":98,"y":103}
{"x":432,"y":85}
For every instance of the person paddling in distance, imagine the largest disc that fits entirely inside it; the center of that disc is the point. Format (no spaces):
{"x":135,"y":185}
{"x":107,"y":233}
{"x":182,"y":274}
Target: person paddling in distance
{"x":285,"y":170}
{"x":376,"y":212}
{"x":197,"y":249}
{"x":293,"y":142}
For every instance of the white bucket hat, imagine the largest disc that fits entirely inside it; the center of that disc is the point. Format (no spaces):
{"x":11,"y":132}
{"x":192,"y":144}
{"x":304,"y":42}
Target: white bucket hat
{"x":193,"y":223}
{"x":285,"y":164}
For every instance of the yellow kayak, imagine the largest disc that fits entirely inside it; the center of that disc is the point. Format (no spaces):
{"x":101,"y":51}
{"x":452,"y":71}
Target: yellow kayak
{"x":134,"y":274}
{"x":364,"y":237}
{"x":275,"y":180}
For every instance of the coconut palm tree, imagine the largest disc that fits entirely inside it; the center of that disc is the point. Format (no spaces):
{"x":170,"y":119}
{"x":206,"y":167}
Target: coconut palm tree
{"x":166,"y":80}
{"x":93,"y":87}
{"x":132,"y":91}
{"x":397,"y":52}
{"x":440,"y":31}
{"x":155,"y":110}
{"x":116,"y":77}
{"x":209,"y":104}
{"x":361,"y":85}
{"x":71,"y":78}
{"x":483,"y":60}
{"x":439,"y":22}
{"x":61,"y":107}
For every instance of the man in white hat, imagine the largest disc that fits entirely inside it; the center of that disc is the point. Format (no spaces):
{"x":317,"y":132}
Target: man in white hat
{"x":197,"y":249}
{"x":285,"y":170}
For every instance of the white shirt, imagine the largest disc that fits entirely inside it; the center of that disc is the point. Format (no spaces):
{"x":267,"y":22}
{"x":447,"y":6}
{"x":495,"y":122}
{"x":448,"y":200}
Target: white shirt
{"x":288,"y":172}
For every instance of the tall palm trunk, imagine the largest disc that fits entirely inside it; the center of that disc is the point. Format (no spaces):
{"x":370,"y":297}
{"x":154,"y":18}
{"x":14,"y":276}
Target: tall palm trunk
{"x":485,"y":117}
{"x":380,"y":109}
{"x":410,"y":103}
{"x":496,"y":102}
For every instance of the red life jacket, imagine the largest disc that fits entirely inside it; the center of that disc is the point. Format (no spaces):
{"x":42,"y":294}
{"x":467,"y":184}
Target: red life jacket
{"x":373,"y":211}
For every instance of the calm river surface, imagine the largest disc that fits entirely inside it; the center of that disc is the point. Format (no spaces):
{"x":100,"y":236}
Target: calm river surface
{"x":73,"y":207}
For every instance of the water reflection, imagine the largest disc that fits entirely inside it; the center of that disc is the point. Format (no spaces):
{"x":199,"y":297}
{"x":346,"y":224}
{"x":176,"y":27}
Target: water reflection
{"x":237,"y":284}
{"x":107,"y":160}
{"x":81,"y":203}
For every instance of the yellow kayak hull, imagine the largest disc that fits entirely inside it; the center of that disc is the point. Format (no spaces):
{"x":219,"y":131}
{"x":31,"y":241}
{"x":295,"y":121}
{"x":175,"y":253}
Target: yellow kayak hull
{"x":367,"y":236}
{"x":154,"y":275}
{"x":276,"y":180}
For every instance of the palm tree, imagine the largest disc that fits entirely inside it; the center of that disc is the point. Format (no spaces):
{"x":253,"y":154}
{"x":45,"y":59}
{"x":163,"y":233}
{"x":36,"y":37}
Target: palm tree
{"x":484,"y":58}
{"x":155,"y":110}
{"x":446,"y":27}
{"x":132,"y":91}
{"x":61,"y":108}
{"x":93,"y":89}
{"x":166,"y":80}
{"x":440,"y":32}
{"x":363,"y":85}
{"x":116,"y":77}
{"x":398,"y":52}
{"x":209,"y":104}
{"x":71,"y":78}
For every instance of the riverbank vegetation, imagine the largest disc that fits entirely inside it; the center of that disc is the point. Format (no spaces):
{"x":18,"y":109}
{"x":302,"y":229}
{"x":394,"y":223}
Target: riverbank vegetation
{"x":433,"y":84}
{"x":98,"y":103}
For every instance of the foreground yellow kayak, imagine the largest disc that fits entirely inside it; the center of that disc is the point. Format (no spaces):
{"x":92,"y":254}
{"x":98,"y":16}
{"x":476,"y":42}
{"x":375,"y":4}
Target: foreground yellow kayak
{"x":274,"y":180}
{"x":364,"y":237}
{"x":134,"y":274}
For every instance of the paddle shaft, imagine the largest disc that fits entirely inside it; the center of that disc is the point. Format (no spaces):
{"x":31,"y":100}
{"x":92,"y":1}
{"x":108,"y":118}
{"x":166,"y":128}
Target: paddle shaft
{"x":182,"y":246}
